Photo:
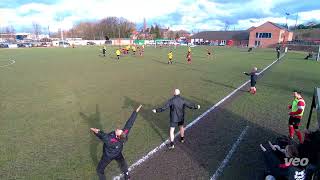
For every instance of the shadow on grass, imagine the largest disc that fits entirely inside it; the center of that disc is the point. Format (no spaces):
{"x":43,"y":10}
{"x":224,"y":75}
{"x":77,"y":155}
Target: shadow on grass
{"x":223,"y":84}
{"x":93,"y":120}
{"x":190,"y":67}
{"x":289,"y":89}
{"x":158,"y":122}
{"x":160,"y":62}
{"x":159,"y":126}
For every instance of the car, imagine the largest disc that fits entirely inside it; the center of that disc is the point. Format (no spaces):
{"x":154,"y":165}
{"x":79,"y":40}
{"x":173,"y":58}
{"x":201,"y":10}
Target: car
{"x":44,"y":44}
{"x":91,"y":43}
{"x":2,"y":45}
{"x":108,"y":42}
{"x":64,"y":44}
{"x":24,"y":45}
{"x":20,"y":45}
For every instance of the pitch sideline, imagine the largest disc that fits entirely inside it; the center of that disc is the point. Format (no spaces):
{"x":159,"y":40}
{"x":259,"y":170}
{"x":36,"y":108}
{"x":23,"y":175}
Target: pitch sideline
{"x":11,"y":62}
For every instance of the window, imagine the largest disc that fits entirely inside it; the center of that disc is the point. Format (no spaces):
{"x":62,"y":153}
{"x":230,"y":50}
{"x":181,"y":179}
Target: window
{"x":257,"y":43}
{"x":263,"y":35}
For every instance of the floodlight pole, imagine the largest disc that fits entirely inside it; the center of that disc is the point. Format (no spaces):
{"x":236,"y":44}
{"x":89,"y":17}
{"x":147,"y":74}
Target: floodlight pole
{"x":61,"y":32}
{"x":287,"y":14}
{"x":119,"y":34}
{"x":318,"y":57}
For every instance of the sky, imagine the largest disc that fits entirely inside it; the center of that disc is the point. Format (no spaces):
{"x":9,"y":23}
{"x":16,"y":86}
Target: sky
{"x":191,"y":15}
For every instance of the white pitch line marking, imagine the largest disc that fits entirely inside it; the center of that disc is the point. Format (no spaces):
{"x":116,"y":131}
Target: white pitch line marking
{"x":11,"y":62}
{"x":229,"y":155}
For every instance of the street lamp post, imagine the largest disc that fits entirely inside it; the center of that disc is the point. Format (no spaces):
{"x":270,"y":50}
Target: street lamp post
{"x":287,"y":15}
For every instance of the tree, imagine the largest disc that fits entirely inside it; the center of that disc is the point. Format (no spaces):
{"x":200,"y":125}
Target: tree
{"x":157,"y":32}
{"x":301,"y":26}
{"x":10,"y":30}
{"x":171,"y":34}
{"x":111,"y":27}
{"x":36,"y":29}
{"x":177,"y":35}
{"x":152,"y":30}
{"x":226,"y":25}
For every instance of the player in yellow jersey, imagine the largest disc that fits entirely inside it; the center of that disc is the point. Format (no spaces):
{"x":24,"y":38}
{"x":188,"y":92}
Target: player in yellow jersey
{"x":118,"y":53}
{"x":170,"y":56}
{"x":134,"y":50}
{"x":127,"y":49}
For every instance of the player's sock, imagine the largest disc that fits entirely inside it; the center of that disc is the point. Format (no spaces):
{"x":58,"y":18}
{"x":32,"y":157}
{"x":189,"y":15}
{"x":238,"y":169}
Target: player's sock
{"x":299,"y":136}
{"x":291,"y":131}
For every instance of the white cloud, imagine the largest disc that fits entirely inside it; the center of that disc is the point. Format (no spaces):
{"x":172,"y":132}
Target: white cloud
{"x":309,"y":16}
{"x":303,"y":17}
{"x":80,"y":9}
{"x":198,"y":14}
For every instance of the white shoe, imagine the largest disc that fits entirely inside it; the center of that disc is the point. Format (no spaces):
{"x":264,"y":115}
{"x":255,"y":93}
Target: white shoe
{"x":171,"y":146}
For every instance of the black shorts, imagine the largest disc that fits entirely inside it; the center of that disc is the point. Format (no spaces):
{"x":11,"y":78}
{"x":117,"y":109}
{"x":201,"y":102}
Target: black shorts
{"x":209,"y":54}
{"x":295,"y":122}
{"x":252,"y":83}
{"x":175,"y":124}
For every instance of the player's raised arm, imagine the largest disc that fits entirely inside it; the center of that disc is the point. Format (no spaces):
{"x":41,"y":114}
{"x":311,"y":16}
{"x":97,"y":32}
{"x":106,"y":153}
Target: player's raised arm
{"x":131,"y":120}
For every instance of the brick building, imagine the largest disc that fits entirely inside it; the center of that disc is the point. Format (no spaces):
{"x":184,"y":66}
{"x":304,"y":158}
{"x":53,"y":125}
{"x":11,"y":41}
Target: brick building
{"x":231,"y":38}
{"x":268,"y":35}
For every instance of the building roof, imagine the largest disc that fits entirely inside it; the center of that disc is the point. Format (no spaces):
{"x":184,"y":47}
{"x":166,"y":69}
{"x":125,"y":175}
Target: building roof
{"x":222,"y":35}
{"x":252,"y":28}
{"x":278,"y":25}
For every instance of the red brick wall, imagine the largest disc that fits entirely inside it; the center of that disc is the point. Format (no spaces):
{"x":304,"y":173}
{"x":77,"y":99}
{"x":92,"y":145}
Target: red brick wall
{"x":265,"y":42}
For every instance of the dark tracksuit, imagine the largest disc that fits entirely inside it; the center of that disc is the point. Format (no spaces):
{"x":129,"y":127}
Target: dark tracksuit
{"x":104,"y":51}
{"x":112,"y":148}
{"x":253,"y":78}
{"x":177,"y":106}
{"x":278,"y":52}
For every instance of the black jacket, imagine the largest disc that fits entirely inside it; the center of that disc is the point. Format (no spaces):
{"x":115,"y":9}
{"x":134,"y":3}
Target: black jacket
{"x":253,"y":77}
{"x":112,"y":146}
{"x":177,"y":105}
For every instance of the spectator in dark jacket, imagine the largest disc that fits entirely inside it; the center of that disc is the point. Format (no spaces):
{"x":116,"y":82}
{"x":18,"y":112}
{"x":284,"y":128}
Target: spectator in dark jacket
{"x":177,"y":107}
{"x":278,"y":49}
{"x":113,"y":145}
{"x":276,"y":166}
